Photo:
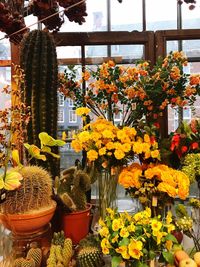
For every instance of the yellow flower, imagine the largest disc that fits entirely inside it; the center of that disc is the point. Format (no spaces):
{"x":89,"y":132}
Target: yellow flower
{"x":76,"y":145}
{"x":108,"y":134}
{"x":156,"y":225}
{"x":105,"y":243}
{"x":117,"y":224}
{"x":119,"y":154}
{"x":110,"y":212}
{"x":155,"y":154}
{"x":84,"y":136}
{"x":147,"y":138}
{"x":82,"y":111}
{"x":110,"y":145}
{"x":137,"y":147}
{"x":124,"y":232}
{"x":131,"y":227}
{"x":92,"y":155}
{"x":104,"y":232}
{"x":169,"y":217}
{"x":101,"y":222}
{"x":135,"y":249}
{"x":115,"y":239}
{"x":169,"y":245}
{"x":123,"y":251}
{"x":126,"y":147}
{"x":102,"y":151}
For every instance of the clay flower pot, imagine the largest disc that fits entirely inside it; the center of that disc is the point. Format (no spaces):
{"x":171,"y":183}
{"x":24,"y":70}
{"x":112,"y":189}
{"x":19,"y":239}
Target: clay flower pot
{"x":76,"y":224}
{"x":28,"y":223}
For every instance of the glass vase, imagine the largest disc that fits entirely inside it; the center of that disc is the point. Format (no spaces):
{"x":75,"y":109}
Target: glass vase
{"x":107,"y":189}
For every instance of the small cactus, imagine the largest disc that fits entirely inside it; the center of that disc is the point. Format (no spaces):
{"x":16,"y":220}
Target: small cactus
{"x":36,"y":255}
{"x":89,"y":257}
{"x":61,"y":251}
{"x":34,"y":193}
{"x":72,"y":188}
{"x":18,"y":262}
{"x":67,"y":251}
{"x":28,"y":263}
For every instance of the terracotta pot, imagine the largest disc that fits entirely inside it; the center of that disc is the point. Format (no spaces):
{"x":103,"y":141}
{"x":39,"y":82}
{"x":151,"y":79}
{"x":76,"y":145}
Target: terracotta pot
{"x":28,"y":223}
{"x":76,"y":224}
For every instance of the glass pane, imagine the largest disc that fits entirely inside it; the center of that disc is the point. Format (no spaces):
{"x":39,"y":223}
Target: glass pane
{"x":171,"y":46}
{"x":191,"y":19}
{"x":130,"y":52}
{"x":161,"y":15}
{"x":96,"y":20}
{"x":95,"y":54}
{"x":191,"y":48}
{"x":130,"y":11}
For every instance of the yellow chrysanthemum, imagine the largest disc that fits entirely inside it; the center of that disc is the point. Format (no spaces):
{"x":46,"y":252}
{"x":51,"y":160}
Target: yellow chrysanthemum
{"x":92,"y":155}
{"x":110,"y":145}
{"x":82,"y":111}
{"x":102,"y":151}
{"x":76,"y":145}
{"x":119,"y":154}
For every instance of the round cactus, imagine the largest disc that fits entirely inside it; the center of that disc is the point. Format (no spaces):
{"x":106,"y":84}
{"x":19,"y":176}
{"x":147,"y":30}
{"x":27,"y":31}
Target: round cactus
{"x":89,"y":257}
{"x":34,"y":193}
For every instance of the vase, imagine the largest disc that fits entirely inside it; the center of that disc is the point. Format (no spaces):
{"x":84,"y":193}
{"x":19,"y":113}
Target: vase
{"x":107,"y":188}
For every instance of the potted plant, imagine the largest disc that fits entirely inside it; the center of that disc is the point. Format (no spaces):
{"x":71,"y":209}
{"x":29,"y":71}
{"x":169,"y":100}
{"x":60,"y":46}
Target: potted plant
{"x":29,"y":208}
{"x":71,"y":190}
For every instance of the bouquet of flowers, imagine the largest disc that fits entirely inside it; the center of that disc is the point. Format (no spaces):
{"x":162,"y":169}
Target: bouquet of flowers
{"x":154,"y":185}
{"x":109,"y":148}
{"x":137,"y":238}
{"x":134,"y":91}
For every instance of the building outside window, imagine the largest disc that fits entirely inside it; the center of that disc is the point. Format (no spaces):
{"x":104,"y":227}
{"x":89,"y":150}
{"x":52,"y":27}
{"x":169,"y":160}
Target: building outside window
{"x":72,"y":116}
{"x":61,"y":100}
{"x":71,"y":102}
{"x":186,"y":117}
{"x":60,"y":115}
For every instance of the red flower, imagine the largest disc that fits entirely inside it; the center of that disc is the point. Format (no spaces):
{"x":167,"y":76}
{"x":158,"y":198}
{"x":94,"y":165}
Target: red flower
{"x":184,"y":149}
{"x":175,"y":141}
{"x":157,"y":125}
{"x":194,"y":145}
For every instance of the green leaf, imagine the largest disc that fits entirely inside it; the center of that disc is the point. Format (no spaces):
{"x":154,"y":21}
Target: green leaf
{"x":26,"y":145}
{"x":116,"y":261}
{"x":168,"y":256}
{"x":152,"y":254}
{"x":172,"y":238}
{"x":124,"y":242}
{"x":47,"y":140}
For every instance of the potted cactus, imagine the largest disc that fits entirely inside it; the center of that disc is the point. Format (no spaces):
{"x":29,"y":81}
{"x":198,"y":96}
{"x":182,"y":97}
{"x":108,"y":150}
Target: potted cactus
{"x":71,"y":190}
{"x":29,"y":209}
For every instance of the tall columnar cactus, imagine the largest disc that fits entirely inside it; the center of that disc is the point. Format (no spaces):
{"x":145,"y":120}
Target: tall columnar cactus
{"x":39,"y":61}
{"x":34,"y":193}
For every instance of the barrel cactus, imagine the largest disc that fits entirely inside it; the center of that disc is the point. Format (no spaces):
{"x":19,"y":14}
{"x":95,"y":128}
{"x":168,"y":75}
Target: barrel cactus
{"x":34,"y":193}
{"x":38,"y":59}
{"x":89,"y":257}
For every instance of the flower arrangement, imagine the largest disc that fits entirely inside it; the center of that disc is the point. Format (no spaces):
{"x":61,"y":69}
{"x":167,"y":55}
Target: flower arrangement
{"x":133,"y":91}
{"x":113,"y":146}
{"x":154,"y":185}
{"x":109,"y":148}
{"x":136,"y":238}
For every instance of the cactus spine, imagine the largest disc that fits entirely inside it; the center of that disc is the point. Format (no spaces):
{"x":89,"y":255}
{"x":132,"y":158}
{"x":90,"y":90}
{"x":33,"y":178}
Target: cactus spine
{"x":39,"y":61}
{"x":72,"y":188}
{"x":34,"y":193}
{"x":61,"y":251}
{"x":36,"y":255}
{"x":89,"y":257}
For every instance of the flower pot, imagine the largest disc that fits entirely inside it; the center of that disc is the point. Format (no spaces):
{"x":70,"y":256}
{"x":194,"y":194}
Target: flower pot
{"x":28,"y":223}
{"x":76,"y":224}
